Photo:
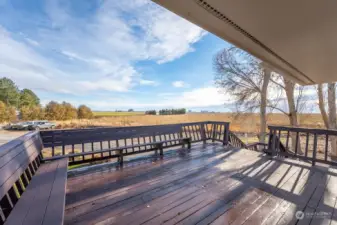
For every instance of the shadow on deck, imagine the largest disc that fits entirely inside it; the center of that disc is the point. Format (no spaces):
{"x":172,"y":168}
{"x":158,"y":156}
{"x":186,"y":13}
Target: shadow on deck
{"x":207,"y":185}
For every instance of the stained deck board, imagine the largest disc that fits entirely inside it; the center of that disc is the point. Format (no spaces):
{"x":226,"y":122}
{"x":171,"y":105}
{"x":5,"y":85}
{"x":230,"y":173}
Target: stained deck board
{"x":202,"y":186}
{"x":43,"y":200}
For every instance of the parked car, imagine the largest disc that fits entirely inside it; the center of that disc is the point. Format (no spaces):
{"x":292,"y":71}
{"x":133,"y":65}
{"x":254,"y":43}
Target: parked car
{"x":21,"y":125}
{"x":33,"y":125}
{"x":40,"y":125}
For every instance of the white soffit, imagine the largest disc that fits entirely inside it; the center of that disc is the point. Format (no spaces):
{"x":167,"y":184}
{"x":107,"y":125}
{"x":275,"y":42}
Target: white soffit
{"x":296,"y":37}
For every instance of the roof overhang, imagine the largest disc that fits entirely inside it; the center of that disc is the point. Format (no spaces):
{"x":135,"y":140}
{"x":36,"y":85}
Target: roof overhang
{"x":297,"y":38}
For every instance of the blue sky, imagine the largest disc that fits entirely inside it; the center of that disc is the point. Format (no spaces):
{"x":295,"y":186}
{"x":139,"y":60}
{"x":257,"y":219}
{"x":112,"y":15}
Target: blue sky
{"x":108,"y":54}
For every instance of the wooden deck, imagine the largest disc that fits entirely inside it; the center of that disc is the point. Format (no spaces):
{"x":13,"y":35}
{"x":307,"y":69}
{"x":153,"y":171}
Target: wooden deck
{"x":207,"y":185}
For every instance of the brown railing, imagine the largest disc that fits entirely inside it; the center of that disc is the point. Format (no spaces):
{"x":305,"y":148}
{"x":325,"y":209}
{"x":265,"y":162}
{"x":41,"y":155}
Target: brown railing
{"x":257,"y":146}
{"x":59,"y":143}
{"x":235,"y":141}
{"x":313,"y":145}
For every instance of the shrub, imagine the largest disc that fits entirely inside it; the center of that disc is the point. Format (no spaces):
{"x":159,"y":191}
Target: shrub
{"x":32,"y":113}
{"x":84,"y":112}
{"x":7,"y":113}
{"x":151,"y":112}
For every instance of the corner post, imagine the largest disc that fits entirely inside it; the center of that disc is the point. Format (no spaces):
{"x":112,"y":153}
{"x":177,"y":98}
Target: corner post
{"x":203,"y":132}
{"x":226,"y":135}
{"x":273,"y":142}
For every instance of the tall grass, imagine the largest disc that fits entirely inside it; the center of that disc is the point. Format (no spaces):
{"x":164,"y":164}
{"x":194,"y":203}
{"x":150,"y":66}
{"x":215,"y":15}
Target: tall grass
{"x":244,"y":123}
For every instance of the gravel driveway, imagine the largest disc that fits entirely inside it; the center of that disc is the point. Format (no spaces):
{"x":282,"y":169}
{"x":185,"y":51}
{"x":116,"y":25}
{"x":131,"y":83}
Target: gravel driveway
{"x":6,"y":136}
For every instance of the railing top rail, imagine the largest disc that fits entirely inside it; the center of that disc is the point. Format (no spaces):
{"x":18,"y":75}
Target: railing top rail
{"x":131,"y":127}
{"x":304,"y":130}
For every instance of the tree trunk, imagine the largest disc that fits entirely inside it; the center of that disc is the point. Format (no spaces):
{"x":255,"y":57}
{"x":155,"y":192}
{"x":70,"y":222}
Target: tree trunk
{"x":332,"y":114}
{"x":321,"y":105}
{"x":263,"y":106}
{"x":289,"y":89}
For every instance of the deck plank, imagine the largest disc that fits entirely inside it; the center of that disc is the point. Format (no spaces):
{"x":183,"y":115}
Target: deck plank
{"x":139,"y":185}
{"x":202,"y":186}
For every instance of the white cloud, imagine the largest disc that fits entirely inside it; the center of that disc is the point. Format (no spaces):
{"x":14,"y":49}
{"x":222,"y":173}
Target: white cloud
{"x":102,"y":51}
{"x":148,"y":82}
{"x":178,"y":84}
{"x":199,"y":97}
{"x":56,"y":10}
{"x":32,"y":42}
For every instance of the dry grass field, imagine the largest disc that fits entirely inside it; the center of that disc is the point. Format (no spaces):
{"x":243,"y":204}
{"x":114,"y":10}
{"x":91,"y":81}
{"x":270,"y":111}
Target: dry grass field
{"x":244,"y":123}
{"x":98,"y":114}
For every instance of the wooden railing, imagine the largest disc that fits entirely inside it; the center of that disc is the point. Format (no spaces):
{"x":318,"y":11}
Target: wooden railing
{"x":235,"y":141}
{"x":68,"y":142}
{"x":257,"y":146}
{"x":313,"y":145}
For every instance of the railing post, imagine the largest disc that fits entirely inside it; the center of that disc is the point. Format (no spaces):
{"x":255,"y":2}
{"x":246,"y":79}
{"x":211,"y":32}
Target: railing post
{"x":272,"y":141}
{"x":203,"y":132}
{"x":226,"y":135}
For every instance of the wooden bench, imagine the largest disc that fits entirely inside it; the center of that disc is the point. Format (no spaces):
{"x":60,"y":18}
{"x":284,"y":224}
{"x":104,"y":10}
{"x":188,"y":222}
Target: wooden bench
{"x":31,"y":192}
{"x":155,"y":146}
{"x":159,"y":145}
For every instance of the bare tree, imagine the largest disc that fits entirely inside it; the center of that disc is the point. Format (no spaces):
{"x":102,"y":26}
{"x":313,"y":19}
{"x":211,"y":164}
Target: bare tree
{"x":246,"y":79}
{"x":332,"y":114}
{"x":321,"y":105}
{"x":295,"y":103}
{"x":263,"y":105}
{"x":330,"y":117}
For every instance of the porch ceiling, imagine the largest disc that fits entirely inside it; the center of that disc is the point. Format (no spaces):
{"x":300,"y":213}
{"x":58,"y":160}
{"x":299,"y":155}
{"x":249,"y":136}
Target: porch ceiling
{"x":297,"y":38}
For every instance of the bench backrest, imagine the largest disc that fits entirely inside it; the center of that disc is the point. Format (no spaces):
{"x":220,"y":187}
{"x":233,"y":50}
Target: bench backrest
{"x":19,"y":160}
{"x":68,"y":137}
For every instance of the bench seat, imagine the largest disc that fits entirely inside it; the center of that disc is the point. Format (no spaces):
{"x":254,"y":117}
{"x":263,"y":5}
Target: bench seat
{"x":157,"y":145}
{"x":43,"y":201}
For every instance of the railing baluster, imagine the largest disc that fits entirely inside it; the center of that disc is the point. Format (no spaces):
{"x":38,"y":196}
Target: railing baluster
{"x":306,"y":145}
{"x":287,"y":142}
{"x":144,"y":141}
{"x":220,"y":132}
{"x":82,"y":151}
{"x":326,"y":147}
{"x":226,"y":134}
{"x":273,"y":143}
{"x":133,"y":149}
{"x":296,"y":142}
{"x":63,"y":149}
{"x":213,"y":134}
{"x":125,"y":144}
{"x":117,"y":145}
{"x":279,"y":142}
{"x":53,"y":145}
{"x":101,"y":145}
{"x":198,"y":127}
{"x":139,"y":149}
{"x":72,"y":151}
{"x":315,"y":150}
{"x":92,"y":149}
{"x":203,"y":133}
{"x":194,"y":134}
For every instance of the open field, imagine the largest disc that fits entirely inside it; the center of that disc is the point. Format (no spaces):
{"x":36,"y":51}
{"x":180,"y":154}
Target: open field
{"x":245,"y":123}
{"x":98,"y":114}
